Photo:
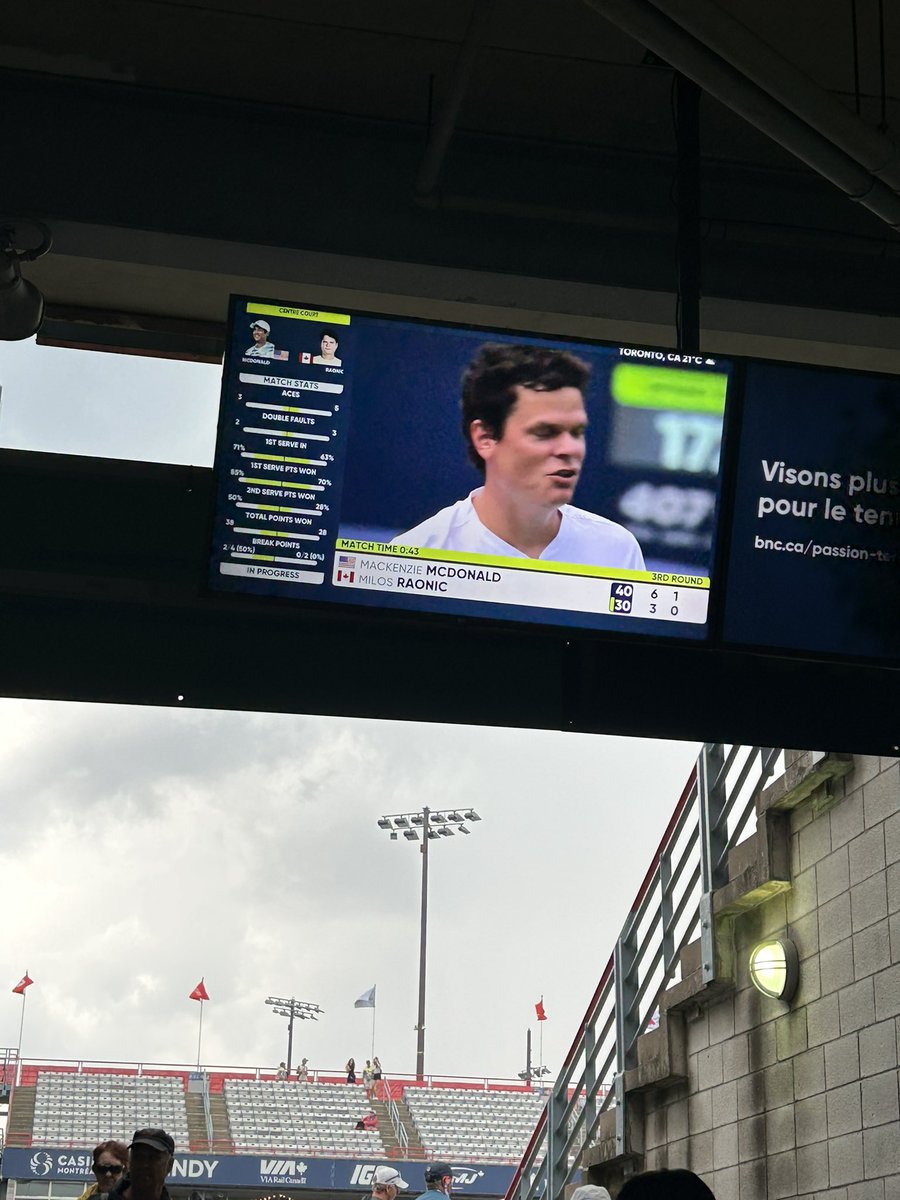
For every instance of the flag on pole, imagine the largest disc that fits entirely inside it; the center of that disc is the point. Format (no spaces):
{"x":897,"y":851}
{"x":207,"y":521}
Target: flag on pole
{"x":23,"y":983}
{"x":367,"y":999}
{"x":199,"y":992}
{"x":539,"y":1009}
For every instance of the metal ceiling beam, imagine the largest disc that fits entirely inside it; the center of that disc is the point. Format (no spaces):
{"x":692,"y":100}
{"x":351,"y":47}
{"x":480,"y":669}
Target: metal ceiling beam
{"x":784,"y":82}
{"x":442,"y":130}
{"x":643,"y":21}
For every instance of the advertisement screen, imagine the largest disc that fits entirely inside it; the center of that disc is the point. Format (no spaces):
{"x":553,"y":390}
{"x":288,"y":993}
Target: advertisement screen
{"x":816,"y":529}
{"x":391,"y":463}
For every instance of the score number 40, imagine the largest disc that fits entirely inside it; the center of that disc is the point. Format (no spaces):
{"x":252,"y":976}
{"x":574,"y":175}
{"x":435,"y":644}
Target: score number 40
{"x":621,"y":595}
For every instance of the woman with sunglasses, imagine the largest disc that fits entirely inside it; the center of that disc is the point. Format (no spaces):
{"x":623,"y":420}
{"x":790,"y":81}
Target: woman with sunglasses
{"x":110,"y":1163}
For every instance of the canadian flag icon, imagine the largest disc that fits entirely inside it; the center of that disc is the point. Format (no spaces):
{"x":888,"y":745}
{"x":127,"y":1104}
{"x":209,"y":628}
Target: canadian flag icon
{"x":306,"y":358}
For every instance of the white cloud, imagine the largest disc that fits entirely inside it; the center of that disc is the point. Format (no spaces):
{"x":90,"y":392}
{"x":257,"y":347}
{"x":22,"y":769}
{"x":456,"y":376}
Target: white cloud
{"x":145,"y":848}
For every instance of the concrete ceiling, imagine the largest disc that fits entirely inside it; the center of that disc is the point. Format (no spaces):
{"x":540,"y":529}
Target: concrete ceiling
{"x":181,"y":149}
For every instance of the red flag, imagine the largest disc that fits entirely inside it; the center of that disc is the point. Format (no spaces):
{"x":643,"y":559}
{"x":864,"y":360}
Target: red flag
{"x":539,"y":1009}
{"x":199,"y":992}
{"x":23,"y":983}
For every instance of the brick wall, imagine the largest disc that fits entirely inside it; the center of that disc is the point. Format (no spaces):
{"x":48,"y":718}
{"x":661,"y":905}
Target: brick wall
{"x":799,"y":1099}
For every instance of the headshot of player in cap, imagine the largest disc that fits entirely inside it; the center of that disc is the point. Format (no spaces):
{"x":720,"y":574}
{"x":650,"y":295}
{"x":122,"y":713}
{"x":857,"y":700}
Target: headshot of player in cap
{"x":262,"y":347}
{"x":150,"y":1158}
{"x":387,"y":1182}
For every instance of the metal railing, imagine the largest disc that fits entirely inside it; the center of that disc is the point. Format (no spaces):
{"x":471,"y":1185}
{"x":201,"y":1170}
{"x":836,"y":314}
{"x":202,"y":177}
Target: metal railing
{"x":394,"y":1113}
{"x":673,"y":906}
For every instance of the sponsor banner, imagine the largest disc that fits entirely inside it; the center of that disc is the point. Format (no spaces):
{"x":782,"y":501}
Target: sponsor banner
{"x":653,"y":595}
{"x":283,"y":1171}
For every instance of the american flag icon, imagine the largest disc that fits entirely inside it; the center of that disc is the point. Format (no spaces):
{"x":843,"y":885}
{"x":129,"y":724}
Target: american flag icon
{"x":346,"y":567}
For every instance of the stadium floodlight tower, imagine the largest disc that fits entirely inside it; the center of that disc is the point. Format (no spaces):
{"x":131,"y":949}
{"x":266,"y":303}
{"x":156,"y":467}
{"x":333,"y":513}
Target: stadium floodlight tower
{"x":431,"y":824}
{"x":300,"y":1010}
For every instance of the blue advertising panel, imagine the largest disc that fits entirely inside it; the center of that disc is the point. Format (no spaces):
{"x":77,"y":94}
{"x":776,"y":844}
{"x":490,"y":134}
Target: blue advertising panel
{"x":279,"y":1171}
{"x":815,"y":549}
{"x":348,"y":473}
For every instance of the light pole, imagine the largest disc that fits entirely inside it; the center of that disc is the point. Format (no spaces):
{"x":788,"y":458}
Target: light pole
{"x":302,"y":1010}
{"x":432,"y":824}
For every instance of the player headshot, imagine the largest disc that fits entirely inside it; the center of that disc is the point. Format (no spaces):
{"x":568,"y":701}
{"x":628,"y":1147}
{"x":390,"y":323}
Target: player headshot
{"x":262,"y":347}
{"x":524,"y":421}
{"x":329,"y":344}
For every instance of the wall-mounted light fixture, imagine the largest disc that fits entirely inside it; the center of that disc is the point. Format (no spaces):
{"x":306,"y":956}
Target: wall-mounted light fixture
{"x":775,"y":968}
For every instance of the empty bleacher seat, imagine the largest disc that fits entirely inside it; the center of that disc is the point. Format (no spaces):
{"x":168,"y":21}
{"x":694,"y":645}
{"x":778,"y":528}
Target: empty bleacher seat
{"x":457,"y":1122}
{"x":304,"y":1118}
{"x":82,"y":1110}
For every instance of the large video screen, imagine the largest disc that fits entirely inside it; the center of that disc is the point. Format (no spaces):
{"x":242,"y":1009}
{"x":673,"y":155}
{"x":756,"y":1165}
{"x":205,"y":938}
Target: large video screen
{"x":814,"y":563}
{"x":392,"y":463}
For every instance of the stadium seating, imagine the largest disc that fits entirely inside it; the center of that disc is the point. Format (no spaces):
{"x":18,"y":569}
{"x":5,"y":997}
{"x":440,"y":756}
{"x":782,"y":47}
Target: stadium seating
{"x":306,"y":1118}
{"x":82,"y":1110}
{"x":475,"y":1124}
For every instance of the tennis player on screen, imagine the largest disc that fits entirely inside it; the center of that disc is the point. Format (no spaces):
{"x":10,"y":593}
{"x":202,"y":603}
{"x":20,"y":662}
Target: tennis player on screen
{"x":524,"y":421}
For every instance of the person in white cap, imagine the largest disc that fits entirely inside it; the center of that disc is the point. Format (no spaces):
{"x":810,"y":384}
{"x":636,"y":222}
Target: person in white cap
{"x":262,"y":347}
{"x":590,"y":1191}
{"x":387,"y":1182}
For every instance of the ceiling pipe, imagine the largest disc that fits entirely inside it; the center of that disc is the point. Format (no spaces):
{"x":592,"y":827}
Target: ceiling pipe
{"x":765,"y":67}
{"x":442,"y":131}
{"x":647,"y":25}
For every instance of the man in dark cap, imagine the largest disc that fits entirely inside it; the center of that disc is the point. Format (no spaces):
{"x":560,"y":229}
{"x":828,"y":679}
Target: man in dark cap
{"x":150,"y":1158}
{"x":438,"y":1178}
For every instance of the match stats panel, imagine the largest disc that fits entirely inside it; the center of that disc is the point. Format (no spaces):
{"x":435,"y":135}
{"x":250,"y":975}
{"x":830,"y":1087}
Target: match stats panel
{"x":340,"y":437}
{"x":281,"y":444}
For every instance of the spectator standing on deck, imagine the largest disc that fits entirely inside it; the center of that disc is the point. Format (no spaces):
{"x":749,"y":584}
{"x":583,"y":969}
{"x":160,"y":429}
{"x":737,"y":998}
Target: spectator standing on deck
{"x":351,"y":1070}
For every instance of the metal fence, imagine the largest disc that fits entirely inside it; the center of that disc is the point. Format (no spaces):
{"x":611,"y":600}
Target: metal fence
{"x":672,"y":908}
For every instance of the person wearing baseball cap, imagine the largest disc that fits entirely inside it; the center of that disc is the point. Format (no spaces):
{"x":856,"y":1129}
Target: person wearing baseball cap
{"x":387,"y":1183}
{"x":438,"y":1178}
{"x":262,"y":347}
{"x":150,"y":1158}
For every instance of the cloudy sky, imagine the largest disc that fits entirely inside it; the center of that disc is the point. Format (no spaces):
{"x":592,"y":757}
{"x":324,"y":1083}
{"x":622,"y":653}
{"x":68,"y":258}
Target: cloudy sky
{"x":145,"y":848}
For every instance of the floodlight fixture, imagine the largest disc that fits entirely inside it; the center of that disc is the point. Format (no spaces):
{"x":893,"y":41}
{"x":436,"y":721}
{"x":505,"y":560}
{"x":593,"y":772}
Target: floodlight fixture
{"x":294,"y":1010}
{"x":432,"y":825}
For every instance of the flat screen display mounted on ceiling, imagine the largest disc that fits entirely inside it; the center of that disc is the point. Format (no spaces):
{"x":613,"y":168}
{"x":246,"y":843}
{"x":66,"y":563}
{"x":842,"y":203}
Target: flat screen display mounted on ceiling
{"x":814,"y":559}
{"x":397,"y":464}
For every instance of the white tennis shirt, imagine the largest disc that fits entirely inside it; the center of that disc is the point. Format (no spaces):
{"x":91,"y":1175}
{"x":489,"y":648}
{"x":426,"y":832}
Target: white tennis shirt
{"x":582,"y":538}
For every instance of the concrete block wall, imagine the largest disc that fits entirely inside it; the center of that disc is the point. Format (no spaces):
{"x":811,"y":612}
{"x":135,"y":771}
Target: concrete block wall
{"x":802,"y":1100}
